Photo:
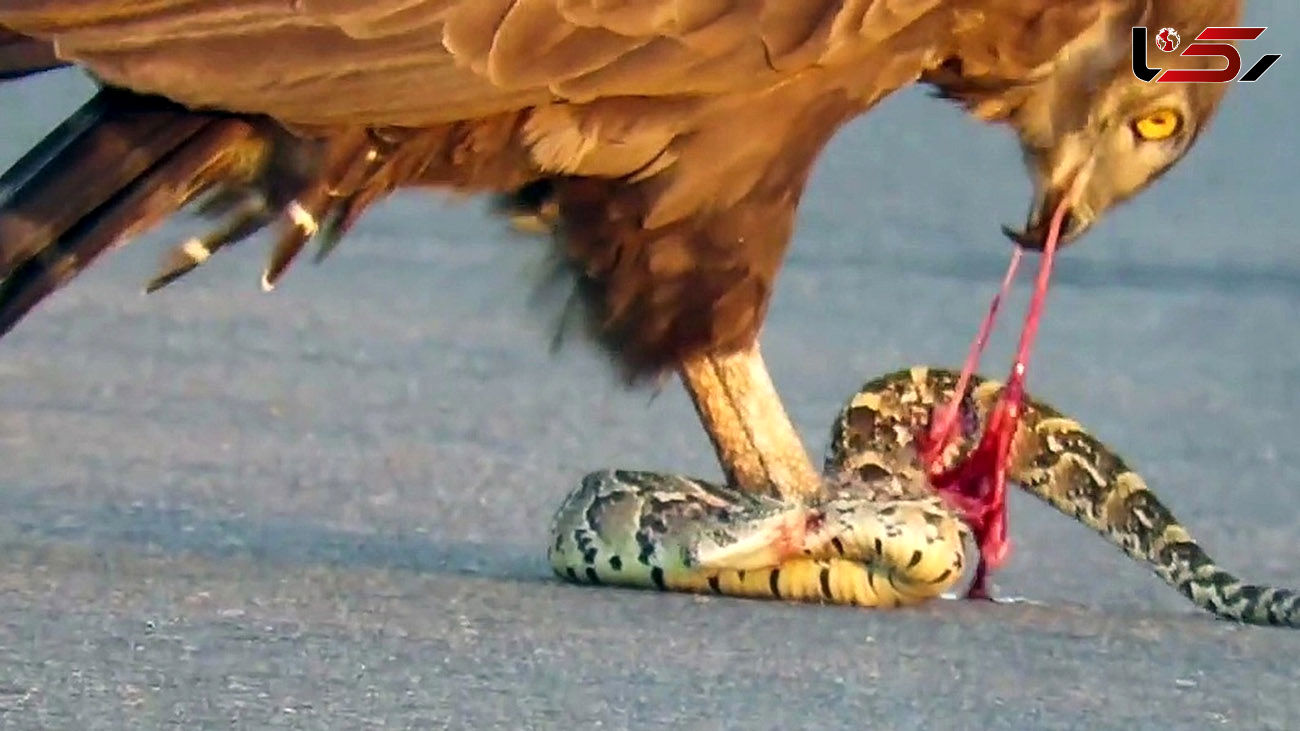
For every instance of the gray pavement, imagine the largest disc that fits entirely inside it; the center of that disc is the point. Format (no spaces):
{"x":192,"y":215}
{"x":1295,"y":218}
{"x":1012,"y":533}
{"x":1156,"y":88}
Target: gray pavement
{"x":325,"y":507}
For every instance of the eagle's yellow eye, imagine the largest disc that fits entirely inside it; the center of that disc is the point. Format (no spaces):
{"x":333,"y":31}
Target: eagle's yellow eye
{"x":1158,"y":125}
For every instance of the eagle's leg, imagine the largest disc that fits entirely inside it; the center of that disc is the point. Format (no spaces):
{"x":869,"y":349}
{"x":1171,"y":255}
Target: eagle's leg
{"x":757,"y":445}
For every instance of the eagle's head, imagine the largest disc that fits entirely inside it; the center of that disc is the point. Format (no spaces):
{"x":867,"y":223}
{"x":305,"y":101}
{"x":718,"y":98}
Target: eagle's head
{"x":1093,"y":134}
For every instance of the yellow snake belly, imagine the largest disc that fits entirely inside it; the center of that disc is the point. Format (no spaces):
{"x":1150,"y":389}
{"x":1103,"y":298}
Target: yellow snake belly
{"x":877,"y":535}
{"x":870,"y":544}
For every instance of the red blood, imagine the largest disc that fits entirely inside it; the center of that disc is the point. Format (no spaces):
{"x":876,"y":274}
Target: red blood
{"x":976,"y":487}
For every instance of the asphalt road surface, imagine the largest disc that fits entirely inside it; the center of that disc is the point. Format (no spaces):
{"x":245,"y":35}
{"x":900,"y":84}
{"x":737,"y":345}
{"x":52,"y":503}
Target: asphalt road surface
{"x":325,"y":507}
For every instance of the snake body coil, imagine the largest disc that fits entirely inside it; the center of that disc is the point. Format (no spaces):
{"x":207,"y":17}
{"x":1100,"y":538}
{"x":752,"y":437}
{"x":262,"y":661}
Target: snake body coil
{"x":878,"y":535}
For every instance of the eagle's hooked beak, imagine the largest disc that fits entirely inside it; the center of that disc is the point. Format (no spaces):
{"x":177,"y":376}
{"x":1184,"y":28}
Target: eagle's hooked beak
{"x":1077,"y":217}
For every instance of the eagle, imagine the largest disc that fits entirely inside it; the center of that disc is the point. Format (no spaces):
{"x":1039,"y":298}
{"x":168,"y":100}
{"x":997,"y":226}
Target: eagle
{"x":662,"y":146}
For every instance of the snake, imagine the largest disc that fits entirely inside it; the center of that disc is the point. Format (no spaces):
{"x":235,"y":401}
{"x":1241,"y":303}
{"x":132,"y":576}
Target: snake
{"x":876,"y":534}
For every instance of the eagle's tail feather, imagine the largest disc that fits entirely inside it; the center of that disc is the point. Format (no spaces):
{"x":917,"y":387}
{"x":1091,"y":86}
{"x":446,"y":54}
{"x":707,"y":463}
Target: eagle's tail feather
{"x":53,"y":143}
{"x":118,"y":166}
{"x":22,"y":56}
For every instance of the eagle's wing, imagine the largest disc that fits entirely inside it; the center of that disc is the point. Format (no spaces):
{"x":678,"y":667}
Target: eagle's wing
{"x":677,"y":212}
{"x":415,"y":62}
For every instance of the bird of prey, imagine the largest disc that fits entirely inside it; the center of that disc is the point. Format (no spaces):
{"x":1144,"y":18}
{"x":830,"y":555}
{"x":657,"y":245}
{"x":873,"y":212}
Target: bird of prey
{"x":663,"y":144}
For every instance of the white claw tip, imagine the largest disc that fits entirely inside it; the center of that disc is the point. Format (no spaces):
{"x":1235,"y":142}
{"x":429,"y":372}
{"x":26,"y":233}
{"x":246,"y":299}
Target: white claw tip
{"x":196,"y":251}
{"x":301,"y":218}
{"x":267,"y":284}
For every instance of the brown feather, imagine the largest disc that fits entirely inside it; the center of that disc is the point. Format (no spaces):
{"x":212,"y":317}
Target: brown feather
{"x":105,"y":147}
{"x":22,"y":56}
{"x":175,"y":162}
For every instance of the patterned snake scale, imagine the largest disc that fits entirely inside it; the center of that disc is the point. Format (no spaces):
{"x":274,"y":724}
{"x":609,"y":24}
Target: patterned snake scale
{"x":877,"y":535}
